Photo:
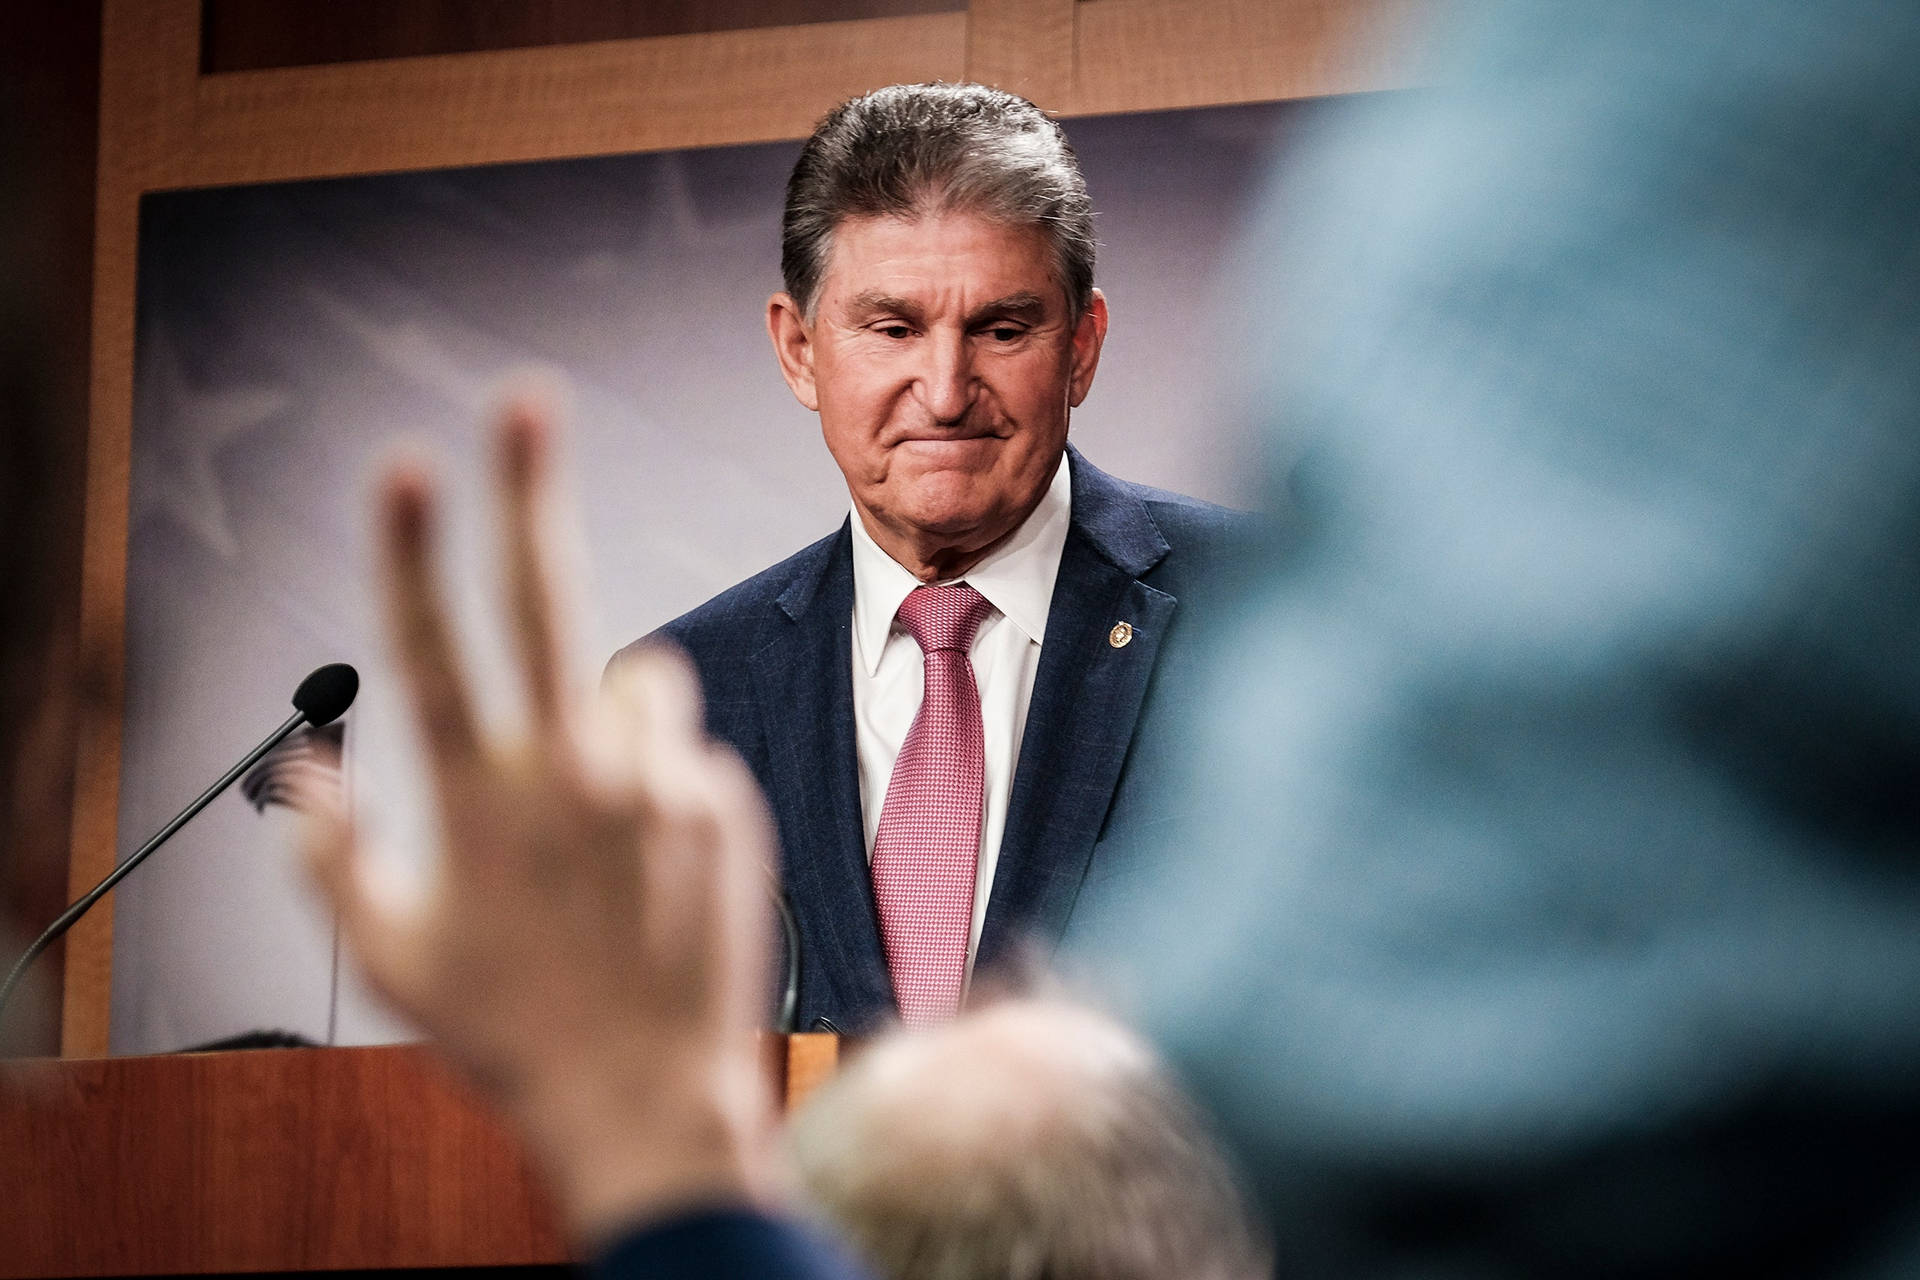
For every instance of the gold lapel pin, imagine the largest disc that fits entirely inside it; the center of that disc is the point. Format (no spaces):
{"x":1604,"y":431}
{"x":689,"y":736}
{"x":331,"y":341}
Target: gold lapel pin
{"x":1121,"y":635}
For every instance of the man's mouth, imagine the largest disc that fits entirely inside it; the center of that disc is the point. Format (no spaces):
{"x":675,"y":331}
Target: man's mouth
{"x":949,"y":435}
{"x":947,"y":446}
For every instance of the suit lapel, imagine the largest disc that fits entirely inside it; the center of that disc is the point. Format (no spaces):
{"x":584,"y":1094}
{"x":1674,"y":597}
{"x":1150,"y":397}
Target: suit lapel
{"x":807,"y":663}
{"x":1086,"y":702}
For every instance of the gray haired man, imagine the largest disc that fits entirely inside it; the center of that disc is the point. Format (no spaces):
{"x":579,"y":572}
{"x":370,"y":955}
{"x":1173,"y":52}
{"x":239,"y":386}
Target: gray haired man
{"x":996,"y":617}
{"x":1031,"y":1139}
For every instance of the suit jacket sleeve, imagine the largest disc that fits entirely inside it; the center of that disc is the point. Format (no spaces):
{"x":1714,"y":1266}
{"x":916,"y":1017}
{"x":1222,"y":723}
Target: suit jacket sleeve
{"x":725,"y":1244}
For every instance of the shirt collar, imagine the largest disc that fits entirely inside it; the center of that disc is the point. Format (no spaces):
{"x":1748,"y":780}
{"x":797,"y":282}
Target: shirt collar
{"x":1016,"y":577}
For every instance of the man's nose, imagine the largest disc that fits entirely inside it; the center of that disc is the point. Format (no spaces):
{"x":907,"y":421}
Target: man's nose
{"x":947,"y":385}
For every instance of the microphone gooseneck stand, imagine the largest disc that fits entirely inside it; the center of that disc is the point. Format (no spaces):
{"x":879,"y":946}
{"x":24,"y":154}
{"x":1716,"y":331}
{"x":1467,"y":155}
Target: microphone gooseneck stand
{"x":321,"y":698}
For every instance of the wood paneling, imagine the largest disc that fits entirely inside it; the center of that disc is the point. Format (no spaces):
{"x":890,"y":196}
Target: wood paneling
{"x":277,"y":1160}
{"x":165,"y":125}
{"x":1137,"y":55}
{"x":811,"y":1058}
{"x":257,"y":35}
{"x":259,"y":1161}
{"x":146,"y":82}
{"x":640,"y":95}
{"x":1024,"y":47}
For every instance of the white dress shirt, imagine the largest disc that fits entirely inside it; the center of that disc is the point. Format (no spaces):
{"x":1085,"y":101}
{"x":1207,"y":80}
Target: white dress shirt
{"x":888,"y":682}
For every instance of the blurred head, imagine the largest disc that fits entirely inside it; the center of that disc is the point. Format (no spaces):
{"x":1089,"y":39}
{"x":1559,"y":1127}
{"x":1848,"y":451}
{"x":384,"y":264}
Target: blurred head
{"x":939,"y":311}
{"x":1033,"y":1139}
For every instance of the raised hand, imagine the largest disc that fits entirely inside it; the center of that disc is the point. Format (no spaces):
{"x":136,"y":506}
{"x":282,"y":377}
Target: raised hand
{"x":589,"y":948}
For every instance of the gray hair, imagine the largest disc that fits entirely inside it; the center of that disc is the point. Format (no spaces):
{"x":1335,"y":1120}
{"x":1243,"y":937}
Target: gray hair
{"x":1033,"y":1141}
{"x":911,"y":149}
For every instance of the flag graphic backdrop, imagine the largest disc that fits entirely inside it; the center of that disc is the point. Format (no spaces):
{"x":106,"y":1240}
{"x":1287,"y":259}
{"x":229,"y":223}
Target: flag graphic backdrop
{"x":287,"y":333}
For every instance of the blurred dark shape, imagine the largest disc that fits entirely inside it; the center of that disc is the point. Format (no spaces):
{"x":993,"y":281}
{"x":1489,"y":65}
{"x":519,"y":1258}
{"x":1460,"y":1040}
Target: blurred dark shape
{"x":1550,"y":897}
{"x":310,"y":758}
{"x":49,"y":80}
{"x":261,"y":1039}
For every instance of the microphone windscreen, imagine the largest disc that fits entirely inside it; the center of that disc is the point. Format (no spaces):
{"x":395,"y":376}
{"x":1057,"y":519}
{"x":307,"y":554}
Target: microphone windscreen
{"x":324,"y":696}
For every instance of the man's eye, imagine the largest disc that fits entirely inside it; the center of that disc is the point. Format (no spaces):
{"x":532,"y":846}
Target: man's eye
{"x":893,"y":330}
{"x":1006,"y":333}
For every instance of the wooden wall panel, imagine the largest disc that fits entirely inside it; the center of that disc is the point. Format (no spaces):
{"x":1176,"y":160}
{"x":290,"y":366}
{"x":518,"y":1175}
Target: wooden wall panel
{"x":1025,"y":47}
{"x":255,"y":35}
{"x":639,"y":95}
{"x":145,"y":132}
{"x":260,"y":1161}
{"x":810,"y":1060}
{"x":166,"y":125}
{"x":1137,"y":55}
{"x":279,"y":1160}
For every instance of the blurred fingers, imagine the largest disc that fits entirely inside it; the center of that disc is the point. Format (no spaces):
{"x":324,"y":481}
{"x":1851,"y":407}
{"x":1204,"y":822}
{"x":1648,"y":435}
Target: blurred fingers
{"x":745,"y":876}
{"x":710,"y":870}
{"x":700,"y":812}
{"x":419,"y":623}
{"x":534,"y":596}
{"x":331,"y":854}
{"x":651,"y":714}
{"x":663,"y":692}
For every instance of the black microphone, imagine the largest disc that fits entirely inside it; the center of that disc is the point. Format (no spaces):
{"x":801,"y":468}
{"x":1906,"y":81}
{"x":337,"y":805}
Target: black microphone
{"x":322,"y":698}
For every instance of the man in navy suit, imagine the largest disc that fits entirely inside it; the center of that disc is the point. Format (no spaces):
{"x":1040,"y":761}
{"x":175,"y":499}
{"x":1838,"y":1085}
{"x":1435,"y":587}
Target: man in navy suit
{"x":940,"y":316}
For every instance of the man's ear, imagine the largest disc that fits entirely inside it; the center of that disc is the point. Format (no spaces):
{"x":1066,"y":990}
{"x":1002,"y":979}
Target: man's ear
{"x":1088,"y":334}
{"x":793,"y":348}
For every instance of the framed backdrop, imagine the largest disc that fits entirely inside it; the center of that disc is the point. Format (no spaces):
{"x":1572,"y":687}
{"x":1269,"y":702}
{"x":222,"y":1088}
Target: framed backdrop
{"x":622,"y":232}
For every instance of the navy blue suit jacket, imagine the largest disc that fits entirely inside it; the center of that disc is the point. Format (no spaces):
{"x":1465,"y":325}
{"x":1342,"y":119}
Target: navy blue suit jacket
{"x":725,"y":1244}
{"x":775,"y":658}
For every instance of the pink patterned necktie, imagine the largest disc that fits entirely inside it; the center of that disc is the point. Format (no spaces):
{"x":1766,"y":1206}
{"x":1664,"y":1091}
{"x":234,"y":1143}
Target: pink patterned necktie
{"x":925,"y":854}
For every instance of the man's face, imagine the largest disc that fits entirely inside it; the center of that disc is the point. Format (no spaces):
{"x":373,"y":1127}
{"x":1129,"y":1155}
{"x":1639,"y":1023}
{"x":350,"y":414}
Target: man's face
{"x":943,"y":361}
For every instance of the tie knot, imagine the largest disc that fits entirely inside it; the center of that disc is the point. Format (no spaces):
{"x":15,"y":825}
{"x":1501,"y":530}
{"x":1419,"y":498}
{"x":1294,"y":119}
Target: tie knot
{"x":943,"y":617}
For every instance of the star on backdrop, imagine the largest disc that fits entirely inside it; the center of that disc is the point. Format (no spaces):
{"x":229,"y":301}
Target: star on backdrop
{"x":189,"y":424}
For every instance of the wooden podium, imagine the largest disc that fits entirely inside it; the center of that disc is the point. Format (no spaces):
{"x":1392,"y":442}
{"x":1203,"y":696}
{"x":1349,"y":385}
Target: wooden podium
{"x":276,"y":1160}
